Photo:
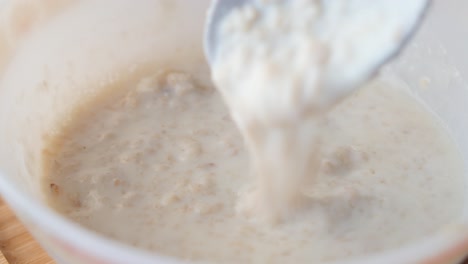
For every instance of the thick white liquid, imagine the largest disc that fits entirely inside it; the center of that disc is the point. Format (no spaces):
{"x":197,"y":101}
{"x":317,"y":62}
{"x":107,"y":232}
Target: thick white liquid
{"x":163,"y":168}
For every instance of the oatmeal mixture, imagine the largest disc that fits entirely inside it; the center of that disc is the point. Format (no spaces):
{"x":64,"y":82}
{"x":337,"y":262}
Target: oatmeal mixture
{"x":138,"y":145}
{"x":164,"y":168}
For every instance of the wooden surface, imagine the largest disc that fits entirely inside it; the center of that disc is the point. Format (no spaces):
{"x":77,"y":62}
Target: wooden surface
{"x":2,"y":259}
{"x":16,"y":244}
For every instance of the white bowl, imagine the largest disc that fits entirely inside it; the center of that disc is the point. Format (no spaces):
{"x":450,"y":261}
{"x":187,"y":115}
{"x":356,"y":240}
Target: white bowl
{"x":438,"y":55}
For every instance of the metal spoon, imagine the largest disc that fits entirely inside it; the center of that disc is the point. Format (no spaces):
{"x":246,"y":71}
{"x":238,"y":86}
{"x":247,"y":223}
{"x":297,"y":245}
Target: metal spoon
{"x":409,"y":12}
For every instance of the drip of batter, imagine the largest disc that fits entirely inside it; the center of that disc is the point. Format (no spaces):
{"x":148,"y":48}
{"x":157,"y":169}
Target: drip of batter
{"x":280,"y":66}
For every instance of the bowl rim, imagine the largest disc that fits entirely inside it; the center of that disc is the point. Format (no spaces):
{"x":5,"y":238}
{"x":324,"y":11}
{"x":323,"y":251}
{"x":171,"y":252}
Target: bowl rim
{"x":436,"y":248}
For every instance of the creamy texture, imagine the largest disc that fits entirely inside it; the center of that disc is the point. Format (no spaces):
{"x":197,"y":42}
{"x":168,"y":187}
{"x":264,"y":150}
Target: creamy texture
{"x":163,"y":168}
{"x":313,"y":53}
{"x":137,"y":145}
{"x":280,"y":65}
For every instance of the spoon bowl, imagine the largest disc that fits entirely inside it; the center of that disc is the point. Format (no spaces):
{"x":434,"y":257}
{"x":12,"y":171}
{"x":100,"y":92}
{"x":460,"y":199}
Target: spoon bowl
{"x":372,"y":50}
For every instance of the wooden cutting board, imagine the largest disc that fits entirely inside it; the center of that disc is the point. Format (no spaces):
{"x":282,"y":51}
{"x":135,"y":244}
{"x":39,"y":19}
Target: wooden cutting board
{"x":2,"y":259}
{"x":16,"y":244}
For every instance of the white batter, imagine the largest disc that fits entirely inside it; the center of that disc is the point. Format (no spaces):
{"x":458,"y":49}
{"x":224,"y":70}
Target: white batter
{"x":156,"y":161}
{"x":163,"y":167}
{"x":280,"y":66}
